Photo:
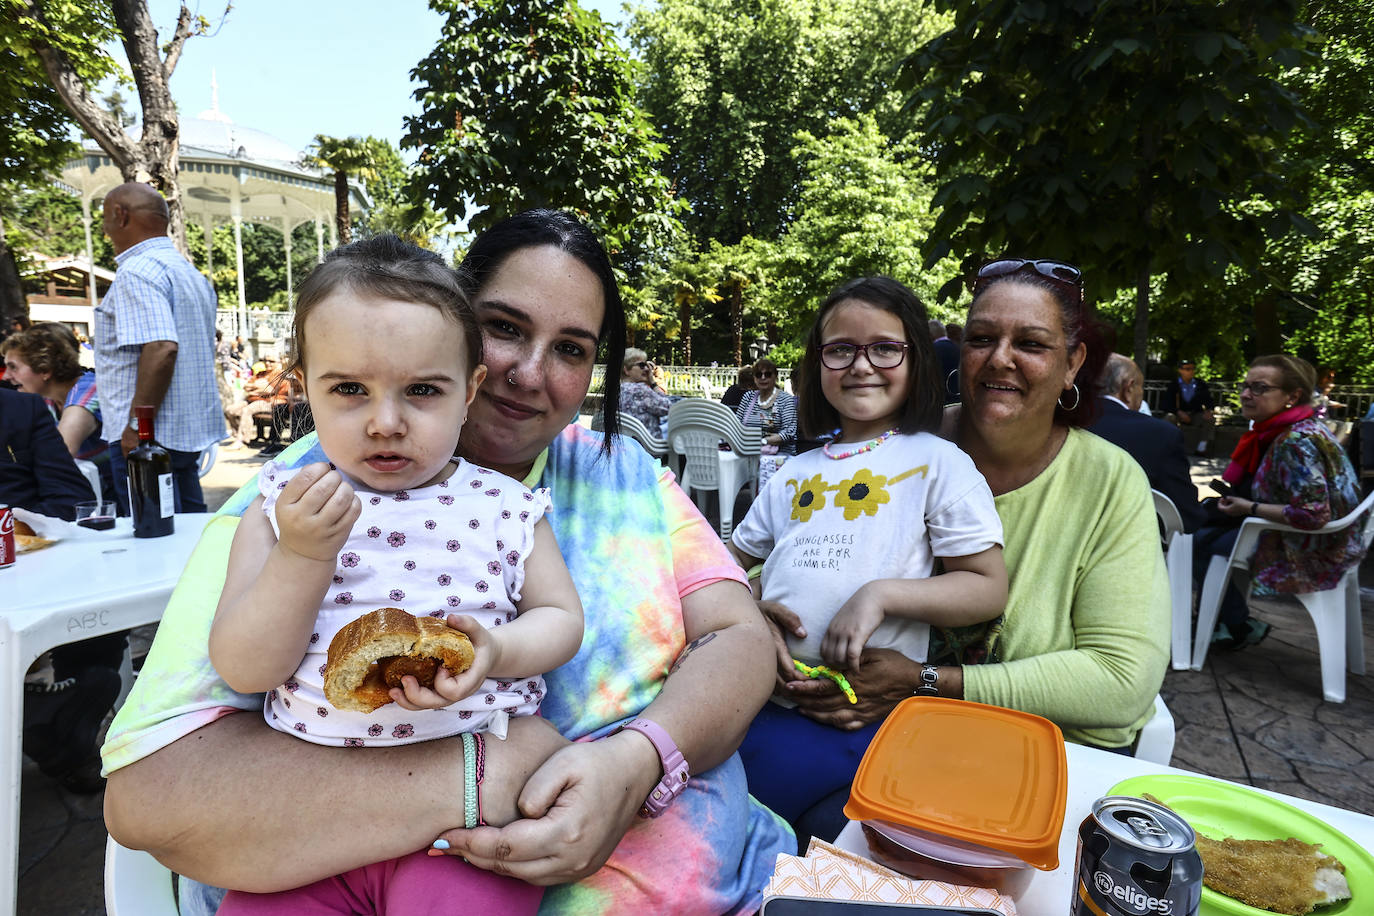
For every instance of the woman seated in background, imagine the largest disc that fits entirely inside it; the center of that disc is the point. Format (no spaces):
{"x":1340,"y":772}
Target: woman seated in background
{"x":45,"y":360}
{"x":773,"y":411}
{"x":1084,"y":638}
{"x":1287,"y":468}
{"x":744,"y":381}
{"x":638,"y":396}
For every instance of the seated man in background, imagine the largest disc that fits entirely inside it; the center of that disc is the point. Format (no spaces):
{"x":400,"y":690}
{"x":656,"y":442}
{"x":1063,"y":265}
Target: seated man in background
{"x":1154,"y":444}
{"x":268,"y":388}
{"x":1188,"y":403}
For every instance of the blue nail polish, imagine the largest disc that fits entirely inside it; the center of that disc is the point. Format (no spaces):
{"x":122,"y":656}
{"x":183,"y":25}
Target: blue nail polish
{"x":440,"y":844}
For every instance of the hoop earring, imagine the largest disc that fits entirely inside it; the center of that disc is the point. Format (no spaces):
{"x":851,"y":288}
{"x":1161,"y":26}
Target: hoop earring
{"x":1076,"y":398}
{"x":949,"y":378}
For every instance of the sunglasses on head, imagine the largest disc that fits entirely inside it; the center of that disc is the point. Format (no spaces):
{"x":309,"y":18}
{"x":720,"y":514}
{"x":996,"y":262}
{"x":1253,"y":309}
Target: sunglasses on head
{"x":1066,"y":275}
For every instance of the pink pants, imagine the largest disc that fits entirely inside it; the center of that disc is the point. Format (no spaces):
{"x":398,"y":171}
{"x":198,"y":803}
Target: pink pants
{"x":413,"y":885}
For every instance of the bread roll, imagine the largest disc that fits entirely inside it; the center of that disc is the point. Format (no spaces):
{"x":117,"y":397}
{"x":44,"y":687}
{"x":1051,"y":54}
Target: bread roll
{"x":370,"y":655}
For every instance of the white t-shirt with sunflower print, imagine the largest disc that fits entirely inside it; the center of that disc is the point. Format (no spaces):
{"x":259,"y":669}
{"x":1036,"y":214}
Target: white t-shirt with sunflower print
{"x":825,"y":527}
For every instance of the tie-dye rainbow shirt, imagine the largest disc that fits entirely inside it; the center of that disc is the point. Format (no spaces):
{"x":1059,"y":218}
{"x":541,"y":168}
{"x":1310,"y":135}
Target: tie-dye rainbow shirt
{"x":635,"y":545}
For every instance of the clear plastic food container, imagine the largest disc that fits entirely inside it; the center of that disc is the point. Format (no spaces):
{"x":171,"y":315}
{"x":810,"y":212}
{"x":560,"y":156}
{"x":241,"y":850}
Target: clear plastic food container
{"x":963,"y":792}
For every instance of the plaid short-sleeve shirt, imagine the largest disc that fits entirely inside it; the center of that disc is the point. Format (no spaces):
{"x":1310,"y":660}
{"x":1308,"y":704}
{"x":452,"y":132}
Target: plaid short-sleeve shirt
{"x":158,"y":295}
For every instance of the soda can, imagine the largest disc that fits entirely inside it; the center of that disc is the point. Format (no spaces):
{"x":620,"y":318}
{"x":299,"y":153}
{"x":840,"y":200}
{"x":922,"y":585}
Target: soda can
{"x":6,"y":536}
{"x":1136,"y":858}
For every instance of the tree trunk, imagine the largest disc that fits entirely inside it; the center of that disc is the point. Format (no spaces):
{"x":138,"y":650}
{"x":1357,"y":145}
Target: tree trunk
{"x":155,"y":158}
{"x":1268,"y":338}
{"x":684,"y":317}
{"x":13,"y":304}
{"x":341,"y":208}
{"x":1141,"y":343}
{"x":737,"y":319}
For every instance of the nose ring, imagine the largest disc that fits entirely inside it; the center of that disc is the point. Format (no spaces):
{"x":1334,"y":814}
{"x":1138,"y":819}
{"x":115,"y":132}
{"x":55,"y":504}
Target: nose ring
{"x":511,"y":379}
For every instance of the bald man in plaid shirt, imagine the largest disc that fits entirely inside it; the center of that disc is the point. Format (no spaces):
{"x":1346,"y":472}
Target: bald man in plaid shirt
{"x":155,"y":344}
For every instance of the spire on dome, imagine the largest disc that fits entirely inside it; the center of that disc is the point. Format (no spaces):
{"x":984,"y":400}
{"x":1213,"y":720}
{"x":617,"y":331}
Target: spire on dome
{"x":213,"y":113}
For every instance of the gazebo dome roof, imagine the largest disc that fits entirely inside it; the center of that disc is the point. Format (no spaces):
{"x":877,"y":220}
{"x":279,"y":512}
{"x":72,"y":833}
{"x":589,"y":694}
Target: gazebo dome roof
{"x":223,"y":137}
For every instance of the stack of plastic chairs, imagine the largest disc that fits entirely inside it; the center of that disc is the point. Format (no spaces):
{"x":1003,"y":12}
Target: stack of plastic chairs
{"x":696,"y":429}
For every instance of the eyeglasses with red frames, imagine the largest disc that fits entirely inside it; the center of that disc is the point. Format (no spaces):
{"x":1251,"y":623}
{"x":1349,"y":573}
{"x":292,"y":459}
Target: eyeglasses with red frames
{"x":881,"y":354}
{"x":1066,"y":275}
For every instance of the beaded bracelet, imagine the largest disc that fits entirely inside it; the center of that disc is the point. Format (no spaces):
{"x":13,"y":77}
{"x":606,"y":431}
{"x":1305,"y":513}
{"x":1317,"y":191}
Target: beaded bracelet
{"x":474,"y":768}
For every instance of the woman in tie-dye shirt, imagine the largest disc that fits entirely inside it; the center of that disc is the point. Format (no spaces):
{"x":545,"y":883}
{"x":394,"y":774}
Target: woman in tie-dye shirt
{"x":666,"y":614}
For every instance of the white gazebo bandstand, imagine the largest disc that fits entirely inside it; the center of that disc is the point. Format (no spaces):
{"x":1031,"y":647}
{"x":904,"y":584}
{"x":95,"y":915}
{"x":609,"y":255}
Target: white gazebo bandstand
{"x":228,"y":173}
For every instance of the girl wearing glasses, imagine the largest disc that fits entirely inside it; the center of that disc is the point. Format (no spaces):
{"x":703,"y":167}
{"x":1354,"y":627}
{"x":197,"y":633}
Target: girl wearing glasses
{"x":1287,"y":468}
{"x":1084,"y":638}
{"x":851,"y":532}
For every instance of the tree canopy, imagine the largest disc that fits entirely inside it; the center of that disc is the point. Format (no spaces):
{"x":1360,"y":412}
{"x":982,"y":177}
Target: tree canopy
{"x":532,"y":105}
{"x":731,"y":84}
{"x":1136,"y":146}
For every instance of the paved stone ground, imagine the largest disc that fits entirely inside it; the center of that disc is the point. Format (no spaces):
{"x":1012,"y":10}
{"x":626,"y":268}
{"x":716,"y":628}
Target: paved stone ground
{"x":1256,"y":717}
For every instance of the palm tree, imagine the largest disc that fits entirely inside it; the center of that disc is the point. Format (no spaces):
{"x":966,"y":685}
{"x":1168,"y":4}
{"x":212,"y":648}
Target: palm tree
{"x":344,"y":156}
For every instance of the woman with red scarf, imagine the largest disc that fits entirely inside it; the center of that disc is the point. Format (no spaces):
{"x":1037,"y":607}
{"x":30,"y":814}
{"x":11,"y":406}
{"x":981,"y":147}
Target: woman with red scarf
{"x":1288,"y":469}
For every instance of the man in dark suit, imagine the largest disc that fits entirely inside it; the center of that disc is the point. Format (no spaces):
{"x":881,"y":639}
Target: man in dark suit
{"x":62,"y":713}
{"x":1188,"y":404}
{"x":1156,"y":445}
{"x":947,"y":351}
{"x":36,"y":470}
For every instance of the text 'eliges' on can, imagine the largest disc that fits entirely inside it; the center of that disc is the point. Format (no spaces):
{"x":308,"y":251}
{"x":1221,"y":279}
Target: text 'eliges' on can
{"x":1136,"y":858}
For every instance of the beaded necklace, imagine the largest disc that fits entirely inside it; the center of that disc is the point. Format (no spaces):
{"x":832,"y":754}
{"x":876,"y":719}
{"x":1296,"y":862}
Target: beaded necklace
{"x":868,"y":446}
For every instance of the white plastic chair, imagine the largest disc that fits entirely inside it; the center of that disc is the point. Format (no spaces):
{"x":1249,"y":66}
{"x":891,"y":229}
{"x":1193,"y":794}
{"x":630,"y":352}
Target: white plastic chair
{"x":1335,"y":612}
{"x":636,"y":430}
{"x":207,"y":459}
{"x":136,"y":884}
{"x":1155,"y":742}
{"x":695,"y":430}
{"x":1178,"y":558}
{"x":92,"y":474}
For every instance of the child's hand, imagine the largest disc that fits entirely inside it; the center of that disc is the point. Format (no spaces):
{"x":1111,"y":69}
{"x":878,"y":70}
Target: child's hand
{"x":450,"y":688}
{"x":316,"y":511}
{"x":850,"y":629}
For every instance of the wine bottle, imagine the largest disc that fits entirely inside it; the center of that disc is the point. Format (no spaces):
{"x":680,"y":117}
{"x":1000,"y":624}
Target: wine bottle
{"x":150,"y":481}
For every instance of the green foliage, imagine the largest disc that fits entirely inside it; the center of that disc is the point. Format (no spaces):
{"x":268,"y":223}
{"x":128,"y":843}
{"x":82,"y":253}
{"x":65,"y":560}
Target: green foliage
{"x":45,"y":219}
{"x":264,"y":262}
{"x":35,"y":132}
{"x":1136,"y":146}
{"x":863,"y":210}
{"x":732,"y":84}
{"x":531,"y":105}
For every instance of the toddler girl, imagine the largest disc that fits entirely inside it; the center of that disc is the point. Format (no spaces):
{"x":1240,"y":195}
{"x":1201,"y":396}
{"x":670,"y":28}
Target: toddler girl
{"x":389,"y":357}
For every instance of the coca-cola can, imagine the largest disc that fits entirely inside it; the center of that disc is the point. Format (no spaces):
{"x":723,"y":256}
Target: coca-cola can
{"x":6,"y":536}
{"x":1136,"y":858}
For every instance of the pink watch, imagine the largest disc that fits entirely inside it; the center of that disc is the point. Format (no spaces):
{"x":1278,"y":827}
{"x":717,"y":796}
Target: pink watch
{"x":675,"y":773}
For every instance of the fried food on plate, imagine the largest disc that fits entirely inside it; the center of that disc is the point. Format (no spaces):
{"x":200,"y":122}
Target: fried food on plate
{"x":1282,"y":876}
{"x":28,"y":543}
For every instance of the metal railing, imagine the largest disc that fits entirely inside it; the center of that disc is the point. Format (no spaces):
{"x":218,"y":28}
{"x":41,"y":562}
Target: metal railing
{"x":1356,"y":398}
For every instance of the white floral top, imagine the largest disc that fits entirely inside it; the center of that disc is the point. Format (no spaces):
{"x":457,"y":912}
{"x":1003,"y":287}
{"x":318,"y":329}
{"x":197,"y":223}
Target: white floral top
{"x":456,"y":547}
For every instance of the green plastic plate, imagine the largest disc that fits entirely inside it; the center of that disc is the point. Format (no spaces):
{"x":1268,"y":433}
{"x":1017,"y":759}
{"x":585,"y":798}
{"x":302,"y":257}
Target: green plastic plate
{"x":1218,"y":810}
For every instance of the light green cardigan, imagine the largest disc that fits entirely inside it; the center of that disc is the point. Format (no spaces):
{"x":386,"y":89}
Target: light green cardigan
{"x":1086,"y":635}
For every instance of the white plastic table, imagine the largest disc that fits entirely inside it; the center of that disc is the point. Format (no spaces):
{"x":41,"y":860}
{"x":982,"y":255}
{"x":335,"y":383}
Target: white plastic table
{"x":72,"y":591}
{"x":1091,"y":774}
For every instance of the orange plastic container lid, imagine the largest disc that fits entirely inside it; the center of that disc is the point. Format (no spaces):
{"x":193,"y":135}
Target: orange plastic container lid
{"x":982,"y":774}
